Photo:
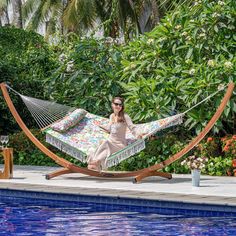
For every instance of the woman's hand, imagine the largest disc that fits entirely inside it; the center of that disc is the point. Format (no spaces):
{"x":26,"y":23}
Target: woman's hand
{"x":140,"y":136}
{"x":97,"y":123}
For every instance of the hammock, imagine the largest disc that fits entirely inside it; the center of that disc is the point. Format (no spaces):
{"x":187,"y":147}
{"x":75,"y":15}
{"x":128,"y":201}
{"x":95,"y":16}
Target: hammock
{"x":84,"y":137}
{"x":68,"y":167}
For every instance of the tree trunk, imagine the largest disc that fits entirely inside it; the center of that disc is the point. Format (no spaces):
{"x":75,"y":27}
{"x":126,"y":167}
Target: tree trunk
{"x":17,"y":16}
{"x":155,"y":12}
{"x":7,"y":19}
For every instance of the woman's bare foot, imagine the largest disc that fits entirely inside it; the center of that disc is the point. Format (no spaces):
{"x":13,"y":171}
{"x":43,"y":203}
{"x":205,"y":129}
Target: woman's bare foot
{"x":94,"y":167}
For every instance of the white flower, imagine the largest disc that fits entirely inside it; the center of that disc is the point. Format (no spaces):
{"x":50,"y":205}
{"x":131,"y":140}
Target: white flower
{"x":228,"y":64}
{"x":108,"y":40}
{"x":184,"y":33}
{"x":132,"y":65}
{"x":202,"y":35}
{"x":150,"y":41}
{"x":142,"y":57}
{"x":70,"y":66}
{"x":194,"y":166}
{"x":192,"y":71}
{"x":178,"y":27}
{"x":212,"y":164}
{"x":62,"y":57}
{"x":211,"y":63}
{"x":191,"y":21}
{"x":188,"y":38}
{"x":221,"y":3}
{"x":215,"y":14}
{"x":162,"y":39}
{"x":183,"y":162}
{"x":220,"y":87}
{"x":231,"y":27}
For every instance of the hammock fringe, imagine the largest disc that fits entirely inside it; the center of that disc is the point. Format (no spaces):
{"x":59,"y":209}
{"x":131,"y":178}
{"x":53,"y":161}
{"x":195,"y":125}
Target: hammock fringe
{"x":66,"y":148}
{"x":131,"y":150}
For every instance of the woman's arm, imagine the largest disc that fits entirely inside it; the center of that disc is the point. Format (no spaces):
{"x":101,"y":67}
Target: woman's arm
{"x":104,"y":127}
{"x":133,"y":127}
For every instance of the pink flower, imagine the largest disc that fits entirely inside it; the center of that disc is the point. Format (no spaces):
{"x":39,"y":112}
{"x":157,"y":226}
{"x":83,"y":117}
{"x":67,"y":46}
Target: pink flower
{"x":209,"y":139}
{"x":226,"y":148}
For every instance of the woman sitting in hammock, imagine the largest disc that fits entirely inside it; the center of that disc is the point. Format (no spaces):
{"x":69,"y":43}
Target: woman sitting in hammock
{"x":119,"y":121}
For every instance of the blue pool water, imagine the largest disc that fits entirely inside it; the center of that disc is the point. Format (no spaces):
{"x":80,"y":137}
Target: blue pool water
{"x":47,"y":217}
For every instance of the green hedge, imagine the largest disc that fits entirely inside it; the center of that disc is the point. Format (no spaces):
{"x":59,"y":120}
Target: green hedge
{"x":87,"y":75}
{"x":25,"y":61}
{"x":182,"y":61}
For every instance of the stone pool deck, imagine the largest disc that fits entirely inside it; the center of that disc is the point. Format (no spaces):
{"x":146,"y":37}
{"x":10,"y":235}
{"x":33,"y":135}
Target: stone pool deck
{"x":213,"y":190}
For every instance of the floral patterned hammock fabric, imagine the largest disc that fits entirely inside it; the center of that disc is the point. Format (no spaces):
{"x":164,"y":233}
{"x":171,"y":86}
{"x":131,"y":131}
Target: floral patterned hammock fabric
{"x":85,"y":137}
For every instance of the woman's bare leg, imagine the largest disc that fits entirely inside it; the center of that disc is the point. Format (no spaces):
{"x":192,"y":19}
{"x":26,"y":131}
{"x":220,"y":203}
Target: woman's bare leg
{"x":95,"y":165}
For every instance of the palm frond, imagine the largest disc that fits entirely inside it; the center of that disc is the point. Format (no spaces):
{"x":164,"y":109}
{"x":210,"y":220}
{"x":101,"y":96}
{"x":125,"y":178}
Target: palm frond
{"x":80,"y":13}
{"x":101,"y":8}
{"x":29,"y":7}
{"x":38,"y":18}
{"x":69,"y":14}
{"x":87,"y":12}
{"x":171,"y":4}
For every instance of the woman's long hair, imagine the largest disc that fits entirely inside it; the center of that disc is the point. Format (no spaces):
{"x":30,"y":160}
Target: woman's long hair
{"x":121,"y":115}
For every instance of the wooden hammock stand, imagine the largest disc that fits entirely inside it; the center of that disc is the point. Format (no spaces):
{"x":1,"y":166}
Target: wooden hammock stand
{"x":68,"y":167}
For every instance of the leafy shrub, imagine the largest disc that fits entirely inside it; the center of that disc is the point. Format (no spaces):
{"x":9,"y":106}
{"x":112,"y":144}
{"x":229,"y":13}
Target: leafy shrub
{"x":219,"y":166}
{"x":216,"y":146}
{"x":25,"y":60}
{"x":86,"y":76}
{"x":229,"y":146}
{"x":209,"y":147}
{"x":181,"y":62}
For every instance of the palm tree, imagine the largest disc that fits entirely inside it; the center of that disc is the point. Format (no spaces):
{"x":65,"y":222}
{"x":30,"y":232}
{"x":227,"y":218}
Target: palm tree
{"x":65,"y":15}
{"x":4,"y":11}
{"x":17,"y":15}
{"x":79,"y":15}
{"x":126,"y":17}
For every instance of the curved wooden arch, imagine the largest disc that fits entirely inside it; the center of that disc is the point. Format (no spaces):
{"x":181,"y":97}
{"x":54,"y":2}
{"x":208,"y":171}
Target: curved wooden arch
{"x":140,"y":174}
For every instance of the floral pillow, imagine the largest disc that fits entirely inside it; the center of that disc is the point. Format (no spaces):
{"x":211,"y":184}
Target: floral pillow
{"x":69,"y":121}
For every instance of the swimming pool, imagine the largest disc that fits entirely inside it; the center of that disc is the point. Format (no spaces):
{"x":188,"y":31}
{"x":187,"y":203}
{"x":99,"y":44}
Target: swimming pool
{"x":35,"y":216}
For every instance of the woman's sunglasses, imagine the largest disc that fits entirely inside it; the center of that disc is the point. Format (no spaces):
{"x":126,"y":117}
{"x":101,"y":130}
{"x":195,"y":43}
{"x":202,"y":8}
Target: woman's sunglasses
{"x":118,"y":104}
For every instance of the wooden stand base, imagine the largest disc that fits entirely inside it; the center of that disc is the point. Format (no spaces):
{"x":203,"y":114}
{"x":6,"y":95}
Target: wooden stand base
{"x":7,"y":172}
{"x":137,"y":178}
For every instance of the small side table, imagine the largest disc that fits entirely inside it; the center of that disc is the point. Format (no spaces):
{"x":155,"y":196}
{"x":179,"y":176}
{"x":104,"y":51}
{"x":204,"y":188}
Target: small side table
{"x":7,"y":154}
